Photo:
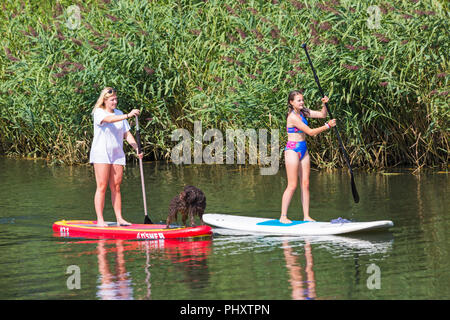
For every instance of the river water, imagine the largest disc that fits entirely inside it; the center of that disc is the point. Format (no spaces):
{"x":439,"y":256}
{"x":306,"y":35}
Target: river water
{"x":410,"y":261}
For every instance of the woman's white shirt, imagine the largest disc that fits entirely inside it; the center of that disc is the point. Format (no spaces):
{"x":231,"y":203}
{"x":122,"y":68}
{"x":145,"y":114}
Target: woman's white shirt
{"x":107,"y":145}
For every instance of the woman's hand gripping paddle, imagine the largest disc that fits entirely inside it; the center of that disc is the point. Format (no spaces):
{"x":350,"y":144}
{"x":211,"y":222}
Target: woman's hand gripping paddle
{"x":354,"y":191}
{"x":138,"y":140}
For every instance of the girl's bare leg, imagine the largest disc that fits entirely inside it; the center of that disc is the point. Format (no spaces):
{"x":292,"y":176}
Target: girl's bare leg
{"x":292,"y":164}
{"x":304,"y":170}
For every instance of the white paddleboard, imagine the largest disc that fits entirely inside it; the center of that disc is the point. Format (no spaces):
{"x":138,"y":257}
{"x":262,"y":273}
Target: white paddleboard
{"x":299,"y":228}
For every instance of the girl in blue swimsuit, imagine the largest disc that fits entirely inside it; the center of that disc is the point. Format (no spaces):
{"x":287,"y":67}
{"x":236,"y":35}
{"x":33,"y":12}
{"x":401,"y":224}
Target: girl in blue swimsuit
{"x":296,"y":155}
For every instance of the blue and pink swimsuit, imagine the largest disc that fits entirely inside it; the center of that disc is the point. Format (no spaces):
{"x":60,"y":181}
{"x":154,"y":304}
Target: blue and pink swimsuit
{"x":298,"y":146}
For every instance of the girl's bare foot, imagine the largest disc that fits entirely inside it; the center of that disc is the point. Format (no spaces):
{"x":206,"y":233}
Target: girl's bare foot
{"x":284,"y":219}
{"x":308,"y":219}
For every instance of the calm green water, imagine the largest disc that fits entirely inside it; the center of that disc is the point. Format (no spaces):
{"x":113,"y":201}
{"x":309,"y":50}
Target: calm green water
{"x":411,"y":260}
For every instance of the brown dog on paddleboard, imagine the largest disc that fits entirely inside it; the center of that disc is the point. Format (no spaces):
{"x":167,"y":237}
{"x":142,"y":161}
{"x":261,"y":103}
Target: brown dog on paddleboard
{"x":190,"y":202}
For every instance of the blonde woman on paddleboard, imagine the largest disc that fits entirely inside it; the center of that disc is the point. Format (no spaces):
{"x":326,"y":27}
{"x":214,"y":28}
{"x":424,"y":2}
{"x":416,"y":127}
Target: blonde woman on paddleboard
{"x":296,"y":154}
{"x":110,"y":129}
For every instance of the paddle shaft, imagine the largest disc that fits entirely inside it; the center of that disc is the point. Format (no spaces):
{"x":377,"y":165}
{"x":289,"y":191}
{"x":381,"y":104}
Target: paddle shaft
{"x":354,"y":191}
{"x":141,"y":168}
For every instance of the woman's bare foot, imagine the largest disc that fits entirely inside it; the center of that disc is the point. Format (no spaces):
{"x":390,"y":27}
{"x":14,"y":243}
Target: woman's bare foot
{"x":101,"y":224}
{"x":284,"y":219}
{"x":122,"y":222}
{"x":308,"y":219}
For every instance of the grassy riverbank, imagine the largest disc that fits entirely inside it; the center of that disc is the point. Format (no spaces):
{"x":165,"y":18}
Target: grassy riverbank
{"x":229,"y":64}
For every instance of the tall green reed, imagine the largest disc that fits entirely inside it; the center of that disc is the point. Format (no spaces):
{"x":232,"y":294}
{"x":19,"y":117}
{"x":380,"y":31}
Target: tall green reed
{"x":229,"y":64}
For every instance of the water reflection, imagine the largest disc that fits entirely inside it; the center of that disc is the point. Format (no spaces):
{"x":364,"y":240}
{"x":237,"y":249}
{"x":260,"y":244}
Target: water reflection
{"x":298,"y":256}
{"x":299,"y":292}
{"x":119,"y":278}
{"x":339,"y":246}
{"x":115,"y":285}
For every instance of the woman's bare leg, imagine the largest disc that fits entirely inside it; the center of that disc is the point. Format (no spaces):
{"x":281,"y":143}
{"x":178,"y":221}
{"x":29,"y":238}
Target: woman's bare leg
{"x":102,"y":171}
{"x":116,"y":175}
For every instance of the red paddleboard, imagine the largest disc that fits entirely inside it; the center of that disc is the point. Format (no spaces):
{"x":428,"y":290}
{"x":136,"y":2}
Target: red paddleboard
{"x":89,"y":229}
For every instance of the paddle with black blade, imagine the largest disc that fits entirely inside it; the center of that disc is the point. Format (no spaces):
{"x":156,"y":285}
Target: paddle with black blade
{"x":138,"y":140}
{"x":354,"y":191}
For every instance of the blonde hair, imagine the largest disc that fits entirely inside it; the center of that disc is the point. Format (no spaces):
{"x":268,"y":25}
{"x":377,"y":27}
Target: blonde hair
{"x":103,"y":96}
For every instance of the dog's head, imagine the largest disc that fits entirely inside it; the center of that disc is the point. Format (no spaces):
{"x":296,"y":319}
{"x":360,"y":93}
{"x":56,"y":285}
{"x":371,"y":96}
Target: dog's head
{"x":193,"y":195}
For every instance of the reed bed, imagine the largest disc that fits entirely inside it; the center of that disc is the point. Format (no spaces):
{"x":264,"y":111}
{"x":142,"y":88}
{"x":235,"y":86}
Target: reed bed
{"x":229,"y":64}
